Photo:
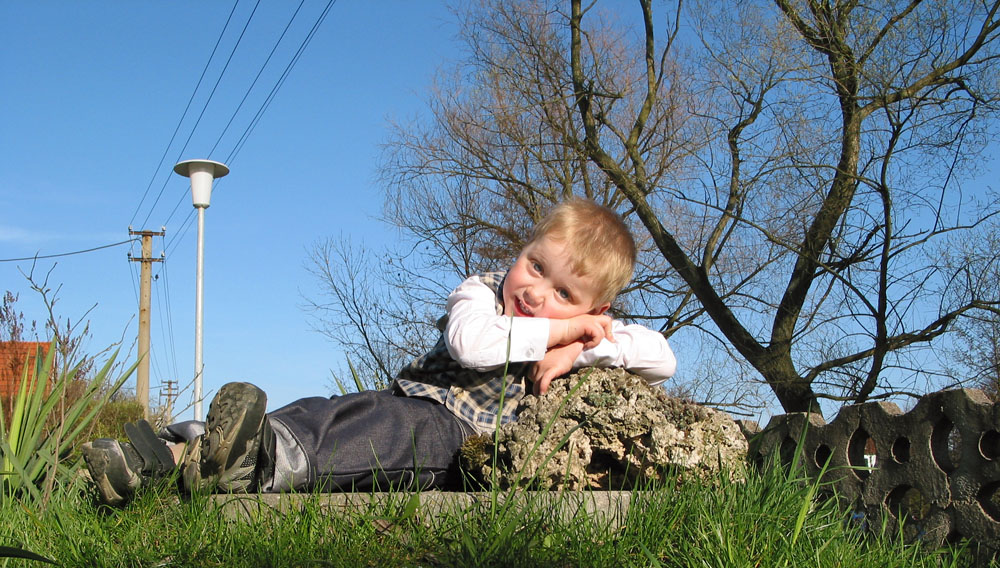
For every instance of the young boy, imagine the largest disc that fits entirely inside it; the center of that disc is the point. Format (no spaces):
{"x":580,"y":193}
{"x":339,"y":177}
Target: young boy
{"x":503,"y":333}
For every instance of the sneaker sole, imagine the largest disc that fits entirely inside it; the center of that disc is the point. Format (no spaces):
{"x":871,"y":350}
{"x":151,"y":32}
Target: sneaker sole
{"x":229,"y":449}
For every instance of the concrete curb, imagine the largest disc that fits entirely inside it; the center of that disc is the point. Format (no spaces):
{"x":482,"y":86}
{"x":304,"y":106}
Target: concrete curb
{"x":610,"y":507}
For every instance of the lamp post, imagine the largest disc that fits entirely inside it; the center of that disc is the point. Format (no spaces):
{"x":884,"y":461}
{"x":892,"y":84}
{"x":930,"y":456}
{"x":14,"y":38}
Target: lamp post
{"x":202,"y":173}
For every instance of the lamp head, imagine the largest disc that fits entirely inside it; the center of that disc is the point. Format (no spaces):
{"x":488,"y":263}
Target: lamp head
{"x":202,"y":173}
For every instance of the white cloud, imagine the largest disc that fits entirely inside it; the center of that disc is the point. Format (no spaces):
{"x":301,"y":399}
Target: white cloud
{"x":21,"y":236}
{"x":35,"y":238}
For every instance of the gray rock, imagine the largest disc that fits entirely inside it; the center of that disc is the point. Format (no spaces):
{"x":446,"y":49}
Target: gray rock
{"x":606,"y":429}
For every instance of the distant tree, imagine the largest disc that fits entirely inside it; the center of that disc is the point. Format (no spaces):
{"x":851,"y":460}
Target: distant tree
{"x":12,"y":324}
{"x":375,"y":313}
{"x":973,"y":355}
{"x":977,"y":352}
{"x":790,"y":170}
{"x":69,"y":336}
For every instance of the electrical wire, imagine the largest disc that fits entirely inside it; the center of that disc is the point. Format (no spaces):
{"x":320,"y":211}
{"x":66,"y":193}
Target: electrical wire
{"x":271,"y":93}
{"x":155,"y":370}
{"x":178,"y":235}
{"x":159,"y":303}
{"x":41,"y":256}
{"x":181,"y":121}
{"x":255,"y":79}
{"x":135,"y":282}
{"x":281,"y":81}
{"x":204,"y":108}
{"x":260,"y":111}
{"x":170,"y":321}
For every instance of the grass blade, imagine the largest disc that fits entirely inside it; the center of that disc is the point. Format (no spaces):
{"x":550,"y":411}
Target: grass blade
{"x":12,"y":552}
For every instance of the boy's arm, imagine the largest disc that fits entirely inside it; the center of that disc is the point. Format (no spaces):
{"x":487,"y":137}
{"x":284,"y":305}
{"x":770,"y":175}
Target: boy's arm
{"x":636,"y":348}
{"x":477,"y":337}
{"x":587,"y":329}
{"x":558,"y":361}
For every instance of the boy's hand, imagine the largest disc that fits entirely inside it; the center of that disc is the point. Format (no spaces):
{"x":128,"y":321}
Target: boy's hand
{"x":586,"y":329}
{"x":557,"y":362}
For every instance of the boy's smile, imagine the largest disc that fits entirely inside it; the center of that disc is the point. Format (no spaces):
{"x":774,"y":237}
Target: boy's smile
{"x":542,"y":284}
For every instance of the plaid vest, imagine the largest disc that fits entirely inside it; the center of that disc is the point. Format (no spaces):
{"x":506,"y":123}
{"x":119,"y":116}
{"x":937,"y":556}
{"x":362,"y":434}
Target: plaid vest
{"x":474,"y":396}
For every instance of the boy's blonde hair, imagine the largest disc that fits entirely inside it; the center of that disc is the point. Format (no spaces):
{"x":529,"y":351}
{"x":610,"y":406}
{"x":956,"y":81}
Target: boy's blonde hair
{"x":599,"y":243}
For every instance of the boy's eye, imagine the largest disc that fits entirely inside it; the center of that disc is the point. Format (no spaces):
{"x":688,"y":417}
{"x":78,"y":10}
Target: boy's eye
{"x":536,"y":267}
{"x":564,"y":294}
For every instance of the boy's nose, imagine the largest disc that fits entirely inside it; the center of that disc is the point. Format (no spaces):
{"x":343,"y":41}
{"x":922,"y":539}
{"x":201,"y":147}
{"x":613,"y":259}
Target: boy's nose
{"x":531,"y":297}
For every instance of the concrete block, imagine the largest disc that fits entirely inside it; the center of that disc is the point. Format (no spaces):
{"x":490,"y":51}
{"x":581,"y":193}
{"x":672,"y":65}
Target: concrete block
{"x":935,"y":469}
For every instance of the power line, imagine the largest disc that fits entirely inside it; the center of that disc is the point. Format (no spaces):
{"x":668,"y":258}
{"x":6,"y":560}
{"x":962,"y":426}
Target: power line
{"x":38,"y":257}
{"x":176,"y":207}
{"x":204,"y":108}
{"x":180,"y":234}
{"x":183,"y":115}
{"x":260,"y":111}
{"x":281,"y":81}
{"x":255,"y":79}
{"x":134,"y":280}
{"x":170,"y":321}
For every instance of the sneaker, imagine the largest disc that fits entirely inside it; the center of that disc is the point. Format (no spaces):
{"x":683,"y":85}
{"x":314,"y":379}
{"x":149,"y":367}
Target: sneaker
{"x":118,"y":469}
{"x":115,"y":467}
{"x":229,"y":448}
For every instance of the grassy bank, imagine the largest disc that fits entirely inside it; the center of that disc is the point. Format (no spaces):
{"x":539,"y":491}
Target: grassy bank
{"x":766,"y":521}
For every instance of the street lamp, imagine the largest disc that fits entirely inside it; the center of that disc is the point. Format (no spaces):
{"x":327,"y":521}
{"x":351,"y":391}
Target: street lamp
{"x":201,"y":172}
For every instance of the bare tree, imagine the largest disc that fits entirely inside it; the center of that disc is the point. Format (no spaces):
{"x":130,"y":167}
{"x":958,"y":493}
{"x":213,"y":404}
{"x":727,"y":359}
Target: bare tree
{"x":467,"y":188}
{"x":977,"y":350}
{"x":973,"y":355}
{"x":68,"y":336}
{"x":789,"y":170}
{"x":374,"y":311}
{"x":902,"y":81}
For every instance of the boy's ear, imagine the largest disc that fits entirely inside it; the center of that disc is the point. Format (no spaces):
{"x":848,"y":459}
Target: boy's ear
{"x":599,"y":310}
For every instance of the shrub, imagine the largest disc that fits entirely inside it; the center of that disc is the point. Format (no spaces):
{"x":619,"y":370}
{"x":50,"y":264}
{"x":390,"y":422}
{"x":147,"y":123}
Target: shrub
{"x":47,"y":419}
{"x":110,"y":420}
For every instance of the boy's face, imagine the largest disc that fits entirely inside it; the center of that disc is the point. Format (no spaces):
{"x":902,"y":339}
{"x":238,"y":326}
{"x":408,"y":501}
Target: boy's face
{"x":542,"y":284}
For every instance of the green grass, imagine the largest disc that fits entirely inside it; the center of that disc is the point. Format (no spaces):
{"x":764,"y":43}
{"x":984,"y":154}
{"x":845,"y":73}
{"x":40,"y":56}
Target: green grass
{"x":48,"y":514}
{"x":755,"y":523}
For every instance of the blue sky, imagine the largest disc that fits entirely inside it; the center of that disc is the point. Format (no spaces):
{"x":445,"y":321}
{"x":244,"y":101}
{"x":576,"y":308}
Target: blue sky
{"x":92,"y":93}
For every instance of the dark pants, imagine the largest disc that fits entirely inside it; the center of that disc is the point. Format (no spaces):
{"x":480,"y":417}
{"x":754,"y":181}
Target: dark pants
{"x":365,"y":440}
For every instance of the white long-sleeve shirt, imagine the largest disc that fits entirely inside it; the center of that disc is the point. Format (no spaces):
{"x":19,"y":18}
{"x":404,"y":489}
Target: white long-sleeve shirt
{"x":476,"y":336}
{"x":479,"y":366}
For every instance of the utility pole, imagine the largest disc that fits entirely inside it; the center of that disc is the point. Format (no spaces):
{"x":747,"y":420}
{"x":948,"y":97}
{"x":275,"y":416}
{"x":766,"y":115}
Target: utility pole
{"x":169,"y":391}
{"x":145,"y":283}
